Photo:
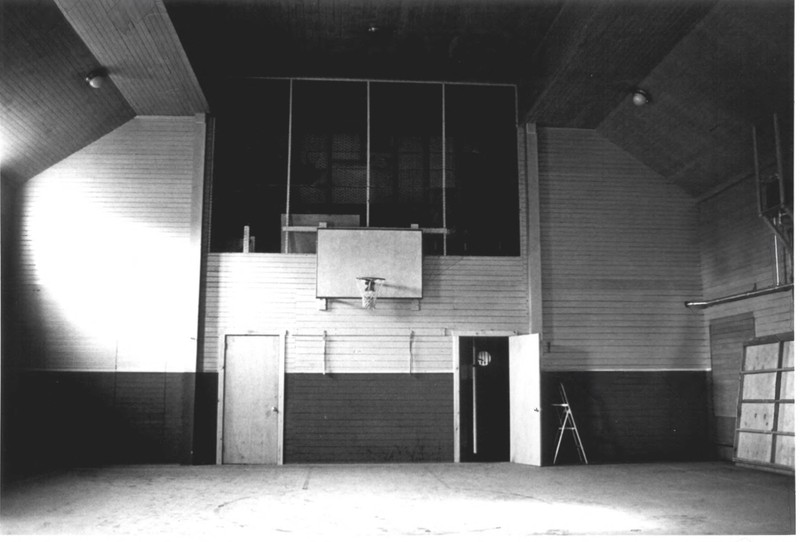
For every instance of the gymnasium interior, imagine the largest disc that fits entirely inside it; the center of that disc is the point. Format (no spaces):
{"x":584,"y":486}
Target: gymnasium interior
{"x":397,"y":267}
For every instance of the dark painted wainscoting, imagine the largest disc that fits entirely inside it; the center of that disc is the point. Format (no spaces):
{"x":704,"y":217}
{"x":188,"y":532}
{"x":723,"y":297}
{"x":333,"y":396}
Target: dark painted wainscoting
{"x":205,"y":419}
{"x":368,"y":418}
{"x":631,"y":416}
{"x":62,"y":419}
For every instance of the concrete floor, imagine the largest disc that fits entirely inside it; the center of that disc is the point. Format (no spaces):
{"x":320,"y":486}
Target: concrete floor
{"x":407,"y":499}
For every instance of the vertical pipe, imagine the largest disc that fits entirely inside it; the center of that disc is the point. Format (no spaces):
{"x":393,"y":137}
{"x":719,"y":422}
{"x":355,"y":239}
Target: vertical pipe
{"x":777,"y":261}
{"x":444,"y":177}
{"x":474,"y":401}
{"x":779,"y":159}
{"x":324,"y":352}
{"x":757,"y":173}
{"x":411,"y":353}
{"x":368,"y":149}
{"x":289,"y":168}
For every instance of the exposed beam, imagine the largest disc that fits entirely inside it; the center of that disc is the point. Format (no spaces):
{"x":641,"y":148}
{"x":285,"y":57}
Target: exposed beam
{"x":138,"y":44}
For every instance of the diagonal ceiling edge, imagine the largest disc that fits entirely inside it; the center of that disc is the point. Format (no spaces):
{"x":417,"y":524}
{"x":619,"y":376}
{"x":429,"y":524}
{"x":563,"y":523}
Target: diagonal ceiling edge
{"x":596,"y":52}
{"x":138,"y":45}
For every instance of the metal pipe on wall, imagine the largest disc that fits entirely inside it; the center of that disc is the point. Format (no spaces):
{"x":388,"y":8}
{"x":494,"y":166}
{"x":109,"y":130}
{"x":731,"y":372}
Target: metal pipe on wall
{"x":757,"y":172}
{"x":369,"y":151}
{"x":474,"y":399}
{"x":738,"y":297}
{"x":777,"y":260}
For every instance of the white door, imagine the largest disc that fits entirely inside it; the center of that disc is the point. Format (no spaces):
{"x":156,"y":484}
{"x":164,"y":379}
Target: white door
{"x":525,"y":399}
{"x":250,"y":409}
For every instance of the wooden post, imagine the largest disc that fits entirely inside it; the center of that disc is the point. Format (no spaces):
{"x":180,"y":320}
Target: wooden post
{"x":533,"y":228}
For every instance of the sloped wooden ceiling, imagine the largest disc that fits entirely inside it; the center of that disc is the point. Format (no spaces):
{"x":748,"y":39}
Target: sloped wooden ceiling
{"x":596,"y":53}
{"x":48,"y":47}
{"x":713,"y":67}
{"x":48,"y":110}
{"x":136,"y":41}
{"x":735,"y":70}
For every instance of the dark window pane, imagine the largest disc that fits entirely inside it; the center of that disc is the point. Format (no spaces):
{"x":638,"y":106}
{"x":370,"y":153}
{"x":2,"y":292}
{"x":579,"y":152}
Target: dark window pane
{"x":483,"y":195}
{"x":406,"y":128}
{"x":478,"y":202}
{"x":250,"y":161}
{"x":329,"y":142}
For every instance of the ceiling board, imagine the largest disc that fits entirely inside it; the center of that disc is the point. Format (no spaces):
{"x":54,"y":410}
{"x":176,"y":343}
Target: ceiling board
{"x":596,"y":52}
{"x":733,"y":71}
{"x":48,"y":110}
{"x":411,"y":39}
{"x":138,"y":45}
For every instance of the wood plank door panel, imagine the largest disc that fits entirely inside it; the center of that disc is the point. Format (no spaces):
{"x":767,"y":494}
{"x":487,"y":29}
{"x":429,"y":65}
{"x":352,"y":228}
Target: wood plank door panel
{"x":251,"y":409}
{"x":525,"y":399}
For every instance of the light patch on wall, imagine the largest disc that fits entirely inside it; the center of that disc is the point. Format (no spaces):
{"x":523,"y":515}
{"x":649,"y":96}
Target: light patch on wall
{"x":112,"y":281}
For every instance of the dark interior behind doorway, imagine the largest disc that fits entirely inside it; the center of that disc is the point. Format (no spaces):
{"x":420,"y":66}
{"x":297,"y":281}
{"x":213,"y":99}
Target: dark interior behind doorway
{"x":483,"y":394}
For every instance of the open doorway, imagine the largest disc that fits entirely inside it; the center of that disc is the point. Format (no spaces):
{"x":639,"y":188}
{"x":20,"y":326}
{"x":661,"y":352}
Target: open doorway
{"x":484,"y":399}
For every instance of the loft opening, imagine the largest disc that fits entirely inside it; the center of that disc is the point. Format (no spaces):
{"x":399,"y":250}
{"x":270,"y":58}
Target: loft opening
{"x":291,"y":153}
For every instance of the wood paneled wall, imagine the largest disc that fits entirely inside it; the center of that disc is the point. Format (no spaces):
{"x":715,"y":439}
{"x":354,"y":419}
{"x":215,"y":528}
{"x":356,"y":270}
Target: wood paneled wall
{"x":258,"y":292}
{"x":109,"y":258}
{"x":619,"y":258}
{"x":368,"y":418}
{"x":70,"y":418}
{"x":728,"y":336}
{"x":252,"y":293}
{"x":631,"y":415}
{"x":738,"y":255}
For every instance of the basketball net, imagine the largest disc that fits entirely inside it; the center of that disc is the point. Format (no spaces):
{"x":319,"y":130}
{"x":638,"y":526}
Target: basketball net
{"x":369,"y":287}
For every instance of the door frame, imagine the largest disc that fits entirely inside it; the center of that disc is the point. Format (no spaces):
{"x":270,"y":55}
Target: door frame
{"x":223,"y":339}
{"x":457,"y":336}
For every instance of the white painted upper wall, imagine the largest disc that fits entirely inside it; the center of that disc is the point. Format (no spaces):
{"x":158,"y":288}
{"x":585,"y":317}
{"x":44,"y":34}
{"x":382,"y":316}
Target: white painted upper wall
{"x":110,"y":270}
{"x":619,"y":259}
{"x":110,"y":252}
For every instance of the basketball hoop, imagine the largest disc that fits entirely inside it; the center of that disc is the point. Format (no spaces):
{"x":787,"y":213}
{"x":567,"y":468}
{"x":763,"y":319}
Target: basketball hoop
{"x":369,"y":287}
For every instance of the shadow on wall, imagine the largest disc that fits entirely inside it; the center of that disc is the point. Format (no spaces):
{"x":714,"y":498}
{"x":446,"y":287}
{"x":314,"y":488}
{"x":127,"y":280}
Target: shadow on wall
{"x":630,"y":416}
{"x":66,"y":419}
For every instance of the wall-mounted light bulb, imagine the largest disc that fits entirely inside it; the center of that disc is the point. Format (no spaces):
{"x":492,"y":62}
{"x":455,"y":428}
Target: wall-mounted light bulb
{"x":96,"y":78}
{"x":640,"y":97}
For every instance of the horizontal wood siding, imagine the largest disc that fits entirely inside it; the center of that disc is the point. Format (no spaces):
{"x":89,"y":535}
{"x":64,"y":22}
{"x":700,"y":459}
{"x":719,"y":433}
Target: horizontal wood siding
{"x":738,"y":255}
{"x":619,"y":258}
{"x":631,"y":415}
{"x":252,"y":293}
{"x":109,"y":263}
{"x":368,"y":418}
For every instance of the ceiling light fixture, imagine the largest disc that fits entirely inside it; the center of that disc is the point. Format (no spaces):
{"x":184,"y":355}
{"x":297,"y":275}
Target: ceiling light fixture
{"x":96,"y":78}
{"x":640,"y":97}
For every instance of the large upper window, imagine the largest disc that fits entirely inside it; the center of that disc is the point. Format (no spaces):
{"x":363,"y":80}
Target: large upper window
{"x":250,"y":164}
{"x":358,"y":153}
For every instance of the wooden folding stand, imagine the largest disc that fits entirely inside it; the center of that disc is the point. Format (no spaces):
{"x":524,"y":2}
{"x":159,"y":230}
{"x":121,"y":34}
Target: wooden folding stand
{"x":566,"y":422}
